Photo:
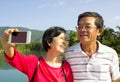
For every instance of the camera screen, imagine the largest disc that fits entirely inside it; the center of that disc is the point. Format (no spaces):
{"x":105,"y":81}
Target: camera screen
{"x":19,"y":37}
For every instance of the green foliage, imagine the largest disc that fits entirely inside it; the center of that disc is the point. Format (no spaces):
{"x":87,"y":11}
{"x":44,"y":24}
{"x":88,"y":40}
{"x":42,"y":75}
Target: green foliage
{"x":72,"y":38}
{"x":111,"y":38}
{"x":32,"y":48}
{"x":107,"y":37}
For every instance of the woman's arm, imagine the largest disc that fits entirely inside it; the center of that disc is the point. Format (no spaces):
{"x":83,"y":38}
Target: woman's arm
{"x":8,"y":48}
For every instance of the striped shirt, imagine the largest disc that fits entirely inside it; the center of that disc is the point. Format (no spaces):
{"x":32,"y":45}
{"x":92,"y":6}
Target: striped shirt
{"x":103,"y":66}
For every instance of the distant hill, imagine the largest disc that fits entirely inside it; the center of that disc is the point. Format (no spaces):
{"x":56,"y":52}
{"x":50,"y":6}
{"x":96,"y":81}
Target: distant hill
{"x":36,"y":34}
{"x":35,"y":37}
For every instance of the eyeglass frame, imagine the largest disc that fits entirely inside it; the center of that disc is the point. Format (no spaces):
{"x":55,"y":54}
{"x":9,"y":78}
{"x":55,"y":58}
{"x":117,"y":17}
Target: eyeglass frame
{"x":86,"y":27}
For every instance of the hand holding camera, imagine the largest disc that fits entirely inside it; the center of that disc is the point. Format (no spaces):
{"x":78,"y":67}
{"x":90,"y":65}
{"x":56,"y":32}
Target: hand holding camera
{"x":12,"y":37}
{"x":20,"y":37}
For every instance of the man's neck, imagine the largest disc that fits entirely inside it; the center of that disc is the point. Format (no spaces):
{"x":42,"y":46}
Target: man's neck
{"x":90,"y":48}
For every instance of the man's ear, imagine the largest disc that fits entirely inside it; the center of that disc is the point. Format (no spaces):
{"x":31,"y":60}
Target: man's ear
{"x":100,"y":30}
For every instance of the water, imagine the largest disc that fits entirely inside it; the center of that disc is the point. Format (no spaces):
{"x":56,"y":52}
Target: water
{"x":12,"y":75}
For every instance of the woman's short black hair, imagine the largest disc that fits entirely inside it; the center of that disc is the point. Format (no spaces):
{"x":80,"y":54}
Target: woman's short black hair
{"x":49,"y":34}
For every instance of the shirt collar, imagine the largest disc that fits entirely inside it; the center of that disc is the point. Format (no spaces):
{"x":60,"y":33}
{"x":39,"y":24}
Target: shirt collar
{"x":79,"y":49}
{"x":101,"y":48}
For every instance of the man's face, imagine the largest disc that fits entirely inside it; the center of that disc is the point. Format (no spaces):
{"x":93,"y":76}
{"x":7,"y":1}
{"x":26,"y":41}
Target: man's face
{"x":87,"y":30}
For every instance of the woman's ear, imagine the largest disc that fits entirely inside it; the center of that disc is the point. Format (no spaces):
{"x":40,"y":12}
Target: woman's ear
{"x":48,"y":43}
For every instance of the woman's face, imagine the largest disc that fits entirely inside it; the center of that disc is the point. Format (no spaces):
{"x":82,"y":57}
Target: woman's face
{"x":59,"y":43}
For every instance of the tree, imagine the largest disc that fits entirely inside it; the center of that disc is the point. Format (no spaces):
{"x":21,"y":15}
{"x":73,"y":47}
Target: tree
{"x":111,"y":38}
{"x":72,"y":38}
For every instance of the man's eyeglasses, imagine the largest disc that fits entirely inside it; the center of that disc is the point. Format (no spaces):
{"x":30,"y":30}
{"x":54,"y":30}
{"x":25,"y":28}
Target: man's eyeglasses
{"x":79,"y":27}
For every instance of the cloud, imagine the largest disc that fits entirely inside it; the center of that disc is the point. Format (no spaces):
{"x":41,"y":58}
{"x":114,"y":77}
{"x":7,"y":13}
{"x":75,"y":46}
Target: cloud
{"x":52,"y":4}
{"x":59,"y":4}
{"x":113,"y":22}
{"x":87,"y":1}
{"x":117,"y":18}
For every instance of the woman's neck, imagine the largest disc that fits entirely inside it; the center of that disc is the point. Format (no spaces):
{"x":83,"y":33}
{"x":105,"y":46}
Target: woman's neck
{"x":53,"y":59}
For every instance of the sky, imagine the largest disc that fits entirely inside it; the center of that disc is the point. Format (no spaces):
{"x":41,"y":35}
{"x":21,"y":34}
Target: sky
{"x":42,"y":14}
